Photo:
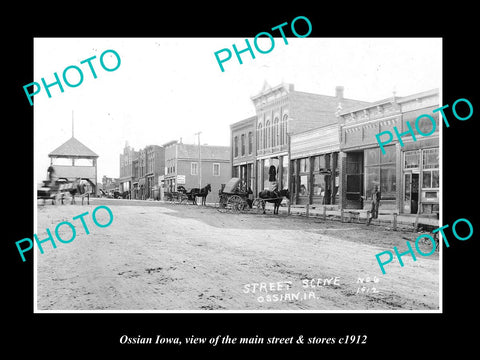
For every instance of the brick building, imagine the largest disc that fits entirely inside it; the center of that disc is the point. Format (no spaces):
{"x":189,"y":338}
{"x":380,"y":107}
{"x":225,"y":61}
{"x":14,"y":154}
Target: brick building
{"x":140,"y":171}
{"x":281,"y":112}
{"x":127,"y":173}
{"x":243,"y":154}
{"x":408,"y":175}
{"x":194,"y":166}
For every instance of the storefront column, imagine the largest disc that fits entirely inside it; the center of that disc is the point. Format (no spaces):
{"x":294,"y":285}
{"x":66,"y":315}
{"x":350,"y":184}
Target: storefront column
{"x":399,"y":181}
{"x":342,"y":190}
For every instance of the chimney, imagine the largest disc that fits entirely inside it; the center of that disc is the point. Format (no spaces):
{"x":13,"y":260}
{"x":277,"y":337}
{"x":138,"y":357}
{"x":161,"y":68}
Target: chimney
{"x":339,"y":92}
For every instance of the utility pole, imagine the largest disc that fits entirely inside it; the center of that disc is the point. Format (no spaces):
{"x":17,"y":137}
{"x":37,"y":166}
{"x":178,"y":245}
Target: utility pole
{"x":199,"y":161}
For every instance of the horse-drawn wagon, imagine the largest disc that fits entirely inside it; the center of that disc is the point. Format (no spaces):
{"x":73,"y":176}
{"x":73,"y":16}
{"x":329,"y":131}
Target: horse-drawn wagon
{"x":234,"y":197}
{"x":238,"y":197}
{"x":61,"y":190}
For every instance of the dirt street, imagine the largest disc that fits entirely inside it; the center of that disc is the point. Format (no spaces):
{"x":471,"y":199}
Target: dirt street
{"x":158,"y":256}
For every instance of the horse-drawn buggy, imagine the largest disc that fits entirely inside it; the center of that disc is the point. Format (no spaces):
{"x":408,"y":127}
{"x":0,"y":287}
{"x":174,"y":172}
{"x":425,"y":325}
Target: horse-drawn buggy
{"x":238,"y":197}
{"x":183,"y":196}
{"x":60,"y":190}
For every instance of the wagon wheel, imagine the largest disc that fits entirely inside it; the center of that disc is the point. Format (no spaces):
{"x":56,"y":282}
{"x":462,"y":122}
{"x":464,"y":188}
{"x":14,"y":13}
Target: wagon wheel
{"x":184,"y":199}
{"x":258,"y":205}
{"x":236,"y":203}
{"x":177,"y":198}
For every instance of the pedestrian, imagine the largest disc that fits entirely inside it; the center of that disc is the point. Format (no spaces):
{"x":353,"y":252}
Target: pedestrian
{"x":376,"y":196}
{"x":52,"y":177}
{"x":272,"y":178}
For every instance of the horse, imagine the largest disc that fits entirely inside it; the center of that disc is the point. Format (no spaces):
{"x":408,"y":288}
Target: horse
{"x":203,"y":192}
{"x":74,"y":188}
{"x":275,"y":197}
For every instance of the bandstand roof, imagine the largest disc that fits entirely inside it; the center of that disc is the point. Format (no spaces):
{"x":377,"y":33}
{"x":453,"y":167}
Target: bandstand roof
{"x":73,"y":148}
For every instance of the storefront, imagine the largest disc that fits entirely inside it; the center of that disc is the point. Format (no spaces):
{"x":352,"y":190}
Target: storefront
{"x":315,"y":179}
{"x":246,"y":175}
{"x":407,"y":174}
{"x":272,"y":173}
{"x":314,"y":166}
{"x":421,"y":181}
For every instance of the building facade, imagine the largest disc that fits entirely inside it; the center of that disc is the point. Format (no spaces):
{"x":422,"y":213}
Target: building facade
{"x":194,"y":166}
{"x":243,"y":154}
{"x":408,"y":174}
{"x":127,"y":176}
{"x":140,"y":171}
{"x":281,"y":112}
{"x":314,"y":171}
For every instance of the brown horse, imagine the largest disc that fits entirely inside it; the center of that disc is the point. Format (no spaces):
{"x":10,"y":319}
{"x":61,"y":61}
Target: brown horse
{"x":274,"y":197}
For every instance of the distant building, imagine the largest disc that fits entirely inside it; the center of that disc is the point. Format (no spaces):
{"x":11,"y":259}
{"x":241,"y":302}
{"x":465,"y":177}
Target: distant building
{"x":195,"y":166}
{"x":127,"y":174}
{"x":109,"y":185}
{"x":73,"y":160}
{"x":140,"y":171}
{"x":243,"y":154}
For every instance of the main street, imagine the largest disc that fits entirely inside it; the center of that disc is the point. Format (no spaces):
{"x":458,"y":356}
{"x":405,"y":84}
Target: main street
{"x":157,"y":256}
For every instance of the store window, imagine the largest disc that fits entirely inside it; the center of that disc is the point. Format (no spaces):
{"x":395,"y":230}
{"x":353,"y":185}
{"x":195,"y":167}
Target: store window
{"x":380,"y":170}
{"x":318,"y":185}
{"x":430,"y":171}
{"x":303,"y":185}
{"x":304,"y":172}
{"x":412,"y":159}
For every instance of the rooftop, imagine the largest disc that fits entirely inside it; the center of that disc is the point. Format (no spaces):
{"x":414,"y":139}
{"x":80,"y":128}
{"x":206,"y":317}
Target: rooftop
{"x":73,"y":148}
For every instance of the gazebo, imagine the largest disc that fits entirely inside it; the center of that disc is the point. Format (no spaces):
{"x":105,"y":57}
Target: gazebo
{"x":75,"y":151}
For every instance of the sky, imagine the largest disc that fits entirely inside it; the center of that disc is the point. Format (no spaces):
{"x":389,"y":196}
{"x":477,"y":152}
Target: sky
{"x":171,"y":88}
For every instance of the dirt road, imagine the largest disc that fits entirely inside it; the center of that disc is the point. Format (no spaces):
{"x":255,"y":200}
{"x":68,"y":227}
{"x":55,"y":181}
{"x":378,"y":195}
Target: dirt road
{"x":155,"y":256}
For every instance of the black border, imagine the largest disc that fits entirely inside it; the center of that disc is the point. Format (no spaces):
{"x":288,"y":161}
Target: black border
{"x":387,"y":333}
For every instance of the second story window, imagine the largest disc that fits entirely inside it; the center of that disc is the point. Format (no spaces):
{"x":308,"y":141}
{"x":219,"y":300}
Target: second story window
{"x":243,"y":144}
{"x":250,"y":143}
{"x":193,"y":168}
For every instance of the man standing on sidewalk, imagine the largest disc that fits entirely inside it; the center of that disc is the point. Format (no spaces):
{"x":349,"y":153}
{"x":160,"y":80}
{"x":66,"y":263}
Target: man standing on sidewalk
{"x":376,"y":196}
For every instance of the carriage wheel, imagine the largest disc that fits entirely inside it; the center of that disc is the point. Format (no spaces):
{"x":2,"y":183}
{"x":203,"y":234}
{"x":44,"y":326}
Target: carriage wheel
{"x":258,"y":205}
{"x":236,"y":203}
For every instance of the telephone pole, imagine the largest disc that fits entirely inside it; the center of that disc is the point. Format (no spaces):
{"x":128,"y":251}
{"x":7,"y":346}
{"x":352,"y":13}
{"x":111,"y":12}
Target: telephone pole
{"x":199,"y":161}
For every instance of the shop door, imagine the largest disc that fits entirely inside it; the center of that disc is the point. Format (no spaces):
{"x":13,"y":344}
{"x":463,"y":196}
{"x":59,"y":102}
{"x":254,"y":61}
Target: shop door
{"x":410,"y":200}
{"x":354,"y":175}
